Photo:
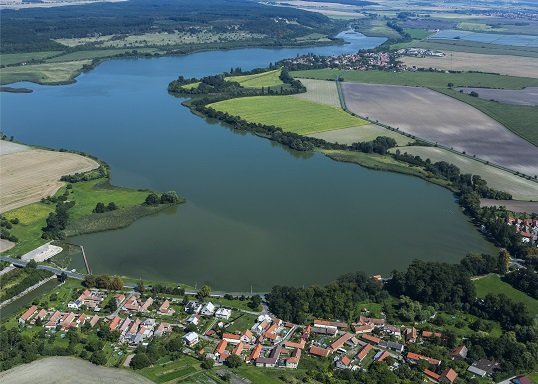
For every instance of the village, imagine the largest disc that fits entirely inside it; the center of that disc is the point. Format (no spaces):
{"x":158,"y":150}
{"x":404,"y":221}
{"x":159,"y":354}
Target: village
{"x":528,"y":228}
{"x":222,"y":333}
{"x":361,"y":61}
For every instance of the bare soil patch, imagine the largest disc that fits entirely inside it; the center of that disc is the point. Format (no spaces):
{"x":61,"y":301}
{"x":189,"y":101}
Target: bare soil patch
{"x":5,"y":245}
{"x":28,"y":176}
{"x":464,"y":61}
{"x":7,"y":147}
{"x":518,"y":187}
{"x":525,"y":96}
{"x":63,"y":370}
{"x":512,"y":205}
{"x":438,"y":118}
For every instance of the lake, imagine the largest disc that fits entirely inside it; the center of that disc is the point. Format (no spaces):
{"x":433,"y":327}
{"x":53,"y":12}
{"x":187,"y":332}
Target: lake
{"x":257,"y":214}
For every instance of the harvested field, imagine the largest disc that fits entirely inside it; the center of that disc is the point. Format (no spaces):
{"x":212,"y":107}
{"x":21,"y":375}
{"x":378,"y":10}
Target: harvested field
{"x":63,"y":370}
{"x":366,"y":132}
{"x":464,"y":61}
{"x":28,"y":176}
{"x":512,"y":205}
{"x":438,"y":118}
{"x":7,"y":147}
{"x":520,"y":188}
{"x":289,"y":113}
{"x":320,"y":91}
{"x":526,"y":96}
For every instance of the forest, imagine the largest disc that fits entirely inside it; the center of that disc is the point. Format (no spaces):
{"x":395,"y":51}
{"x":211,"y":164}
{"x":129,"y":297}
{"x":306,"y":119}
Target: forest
{"x":32,"y":29}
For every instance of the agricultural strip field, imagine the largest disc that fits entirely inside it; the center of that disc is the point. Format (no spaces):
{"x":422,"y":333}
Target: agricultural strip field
{"x":289,"y":113}
{"x":512,"y":205}
{"x":464,"y":61}
{"x":28,"y":176}
{"x":520,"y":188}
{"x":367,"y":132}
{"x":435,"y":117}
{"x":172,"y":370}
{"x":49,"y":73}
{"x":320,"y":91}
{"x":63,"y":370}
{"x":526,"y":96}
{"x":493,"y":284}
{"x":258,"y":80}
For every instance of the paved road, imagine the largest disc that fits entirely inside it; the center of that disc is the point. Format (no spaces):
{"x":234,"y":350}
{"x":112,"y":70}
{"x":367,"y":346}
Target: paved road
{"x":80,"y":276}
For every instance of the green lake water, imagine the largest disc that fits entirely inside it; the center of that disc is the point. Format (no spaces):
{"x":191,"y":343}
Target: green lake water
{"x":257,"y":214}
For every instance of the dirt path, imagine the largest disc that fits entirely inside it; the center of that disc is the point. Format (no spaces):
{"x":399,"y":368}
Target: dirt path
{"x":63,"y":370}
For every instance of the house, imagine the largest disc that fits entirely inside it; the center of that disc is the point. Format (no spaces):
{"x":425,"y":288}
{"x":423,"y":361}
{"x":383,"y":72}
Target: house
{"x":238,"y":349}
{"x":483,"y":367}
{"x":410,"y":335}
{"x":41,"y":315}
{"x":392,"y":330}
{"x":193,"y":307}
{"x":459,"y":352}
{"x":429,"y":334}
{"x":75,"y":304}
{"x":247,"y":337}
{"x":371,"y":320}
{"x":125,"y":325}
{"x":321,"y":352}
{"x":396,"y":347}
{"x":306,"y":332}
{"x":432,"y":376}
{"x":165,"y":309}
{"x":27,"y":315}
{"x":119,"y":298}
{"x":223,"y":313}
{"x":293,"y":360}
{"x":329,"y":324}
{"x":231,"y":338}
{"x":114,"y":323}
{"x":81,"y":319}
{"x":191,"y":339}
{"x":54,"y":319}
{"x":67,"y":320}
{"x":194,"y":319}
{"x":415,"y":357}
{"x":340,"y":342}
{"x":94,"y":320}
{"x":146,"y":305}
{"x":162,"y":329}
{"x":299,"y":345}
{"x":364,"y":352}
{"x":343,"y":363}
{"x":328,"y":331}
{"x":448,"y":376}
{"x":521,"y":380}
{"x":255,"y":352}
{"x":131,"y":304}
{"x":221,"y":348}
{"x":366,"y":328}
{"x":381,"y":356}
{"x":271,"y":360}
{"x":208,"y":309}
{"x":371,"y":339}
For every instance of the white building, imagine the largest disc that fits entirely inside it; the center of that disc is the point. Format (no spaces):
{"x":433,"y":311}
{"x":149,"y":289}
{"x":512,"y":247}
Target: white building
{"x":223,"y":313}
{"x":194,"y":319}
{"x":208,"y":309}
{"x":191,"y":338}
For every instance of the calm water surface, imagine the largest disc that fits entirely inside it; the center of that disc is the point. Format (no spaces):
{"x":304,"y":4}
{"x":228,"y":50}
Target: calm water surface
{"x":257,"y":214}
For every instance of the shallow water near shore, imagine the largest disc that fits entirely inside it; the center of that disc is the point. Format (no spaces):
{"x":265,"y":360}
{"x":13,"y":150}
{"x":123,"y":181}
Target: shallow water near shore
{"x":257,"y":214}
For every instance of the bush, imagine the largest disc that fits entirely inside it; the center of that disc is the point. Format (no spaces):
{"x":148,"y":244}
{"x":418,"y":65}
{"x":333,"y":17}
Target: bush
{"x":140,"y":360}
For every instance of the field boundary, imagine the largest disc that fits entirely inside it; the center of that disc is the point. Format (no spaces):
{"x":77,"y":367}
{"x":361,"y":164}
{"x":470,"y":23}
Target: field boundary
{"x":344,"y":107}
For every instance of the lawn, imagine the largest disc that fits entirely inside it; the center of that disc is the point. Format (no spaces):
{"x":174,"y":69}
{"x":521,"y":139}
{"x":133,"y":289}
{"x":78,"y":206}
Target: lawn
{"x":241,"y":322}
{"x":173,"y":370}
{"x":494,"y":284}
{"x":258,"y":80}
{"x":260,"y":375}
{"x":48,"y":73}
{"x":289,"y":113}
{"x":191,"y":85}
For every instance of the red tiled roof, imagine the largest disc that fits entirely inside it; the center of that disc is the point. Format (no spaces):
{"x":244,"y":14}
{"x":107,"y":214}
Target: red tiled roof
{"x":231,"y":336}
{"x":329,"y":324}
{"x":371,"y":338}
{"x":256,"y":352}
{"x":364,"y":328}
{"x":317,"y":351}
{"x":449,"y":374}
{"x":221,"y":347}
{"x":338,"y":343}
{"x":345,"y":360}
{"x":432,"y":374}
{"x":238,"y":349}
{"x":383,"y":356}
{"x":114,"y":323}
{"x":26,"y":315}
{"x":416,"y":356}
{"x":364,"y":352}
{"x":300,"y":345}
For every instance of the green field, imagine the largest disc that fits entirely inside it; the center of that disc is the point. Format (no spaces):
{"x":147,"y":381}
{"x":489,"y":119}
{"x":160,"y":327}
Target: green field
{"x":423,"y":79}
{"x":172,"y":370}
{"x":289,"y":113}
{"x":258,"y":80}
{"x":49,"y":73}
{"x":16,"y":58}
{"x":191,"y":85}
{"x":375,"y":27}
{"x":418,"y":33}
{"x":494,"y":284}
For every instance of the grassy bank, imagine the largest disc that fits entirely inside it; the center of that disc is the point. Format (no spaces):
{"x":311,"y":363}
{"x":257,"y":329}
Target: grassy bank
{"x":493,"y":284}
{"x":82,"y":219}
{"x":49,"y":73}
{"x":258,"y":80}
{"x":383,"y":163}
{"x":19,"y":279}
